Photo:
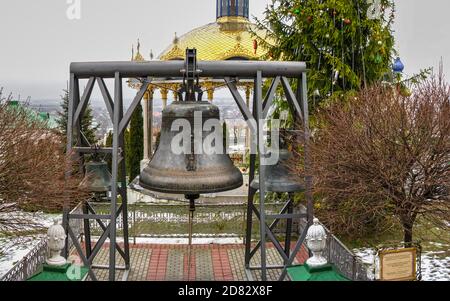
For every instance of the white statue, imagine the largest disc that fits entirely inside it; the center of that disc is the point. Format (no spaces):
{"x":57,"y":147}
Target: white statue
{"x":56,"y":241}
{"x":316,"y":240}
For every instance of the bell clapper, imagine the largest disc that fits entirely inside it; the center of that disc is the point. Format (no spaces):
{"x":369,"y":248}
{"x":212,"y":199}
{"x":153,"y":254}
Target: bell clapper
{"x":191,"y":199}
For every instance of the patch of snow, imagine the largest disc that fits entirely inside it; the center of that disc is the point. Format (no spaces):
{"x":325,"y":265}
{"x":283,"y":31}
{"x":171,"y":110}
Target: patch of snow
{"x":14,"y":249}
{"x":434,"y":267}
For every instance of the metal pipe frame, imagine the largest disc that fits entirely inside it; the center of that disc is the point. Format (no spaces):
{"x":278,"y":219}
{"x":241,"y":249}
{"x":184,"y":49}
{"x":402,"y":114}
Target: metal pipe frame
{"x":175,"y":69}
{"x":230,"y":72}
{"x":79,"y":147}
{"x":298,"y":104}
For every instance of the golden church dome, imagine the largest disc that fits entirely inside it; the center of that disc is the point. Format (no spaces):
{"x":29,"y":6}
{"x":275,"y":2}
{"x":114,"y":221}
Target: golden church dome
{"x":230,"y":37}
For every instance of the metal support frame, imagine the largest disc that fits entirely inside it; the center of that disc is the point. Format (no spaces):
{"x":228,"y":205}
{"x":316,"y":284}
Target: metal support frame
{"x":299,"y":106}
{"x":230,"y":72}
{"x":77,"y":145}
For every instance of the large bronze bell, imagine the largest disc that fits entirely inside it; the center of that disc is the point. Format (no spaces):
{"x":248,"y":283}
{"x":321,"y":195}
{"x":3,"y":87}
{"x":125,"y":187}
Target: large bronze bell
{"x":189,"y":173}
{"x":97,"y":178}
{"x":278,"y":176}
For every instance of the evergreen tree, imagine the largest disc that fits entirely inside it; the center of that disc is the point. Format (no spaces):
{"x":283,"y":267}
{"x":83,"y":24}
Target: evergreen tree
{"x":109,"y":143}
{"x":344,"y":47}
{"x":87,"y":127}
{"x":135,"y":144}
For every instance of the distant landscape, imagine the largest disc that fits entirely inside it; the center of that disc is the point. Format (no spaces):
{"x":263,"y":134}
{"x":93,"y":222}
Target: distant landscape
{"x":228,"y":109}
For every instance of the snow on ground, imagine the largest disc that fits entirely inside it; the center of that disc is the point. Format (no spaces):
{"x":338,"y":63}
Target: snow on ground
{"x":435,"y":265}
{"x":15,"y":250}
{"x":12,"y":250}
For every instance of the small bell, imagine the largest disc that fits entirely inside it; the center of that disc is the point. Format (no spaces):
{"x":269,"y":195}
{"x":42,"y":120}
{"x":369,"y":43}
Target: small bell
{"x":98,"y":177}
{"x":278,"y":176}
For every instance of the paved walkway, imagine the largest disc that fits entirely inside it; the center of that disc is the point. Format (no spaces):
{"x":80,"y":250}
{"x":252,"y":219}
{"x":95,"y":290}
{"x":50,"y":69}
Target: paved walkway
{"x":213,"y":262}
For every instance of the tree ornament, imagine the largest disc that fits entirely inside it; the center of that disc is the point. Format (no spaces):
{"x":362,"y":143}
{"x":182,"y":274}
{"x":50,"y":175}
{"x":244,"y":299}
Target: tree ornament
{"x":380,"y":43}
{"x":347,"y":21}
{"x":405,"y":91}
{"x":398,"y":66}
{"x":378,"y":59}
{"x":309,"y":19}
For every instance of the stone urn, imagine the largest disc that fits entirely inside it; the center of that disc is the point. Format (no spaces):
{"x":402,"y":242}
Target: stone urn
{"x":316,"y":240}
{"x":56,"y":236}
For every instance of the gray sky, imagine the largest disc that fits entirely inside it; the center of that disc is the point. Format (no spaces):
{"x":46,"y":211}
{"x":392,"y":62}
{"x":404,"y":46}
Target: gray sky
{"x":38,"y":41}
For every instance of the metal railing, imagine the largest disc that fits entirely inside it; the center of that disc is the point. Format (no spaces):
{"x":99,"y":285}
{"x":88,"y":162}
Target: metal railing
{"x":32,"y":262}
{"x":29,"y":265}
{"x":221,"y":218}
{"x":349,"y":264}
{"x":345,"y":260}
{"x":170,"y":220}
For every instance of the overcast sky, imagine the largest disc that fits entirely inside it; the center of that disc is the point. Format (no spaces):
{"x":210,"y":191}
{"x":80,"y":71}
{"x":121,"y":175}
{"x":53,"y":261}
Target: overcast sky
{"x":38,"y":41}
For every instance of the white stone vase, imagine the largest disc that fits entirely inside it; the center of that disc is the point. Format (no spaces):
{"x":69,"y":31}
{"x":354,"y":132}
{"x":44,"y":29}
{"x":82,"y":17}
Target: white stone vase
{"x":316,"y":240}
{"x":56,"y":241}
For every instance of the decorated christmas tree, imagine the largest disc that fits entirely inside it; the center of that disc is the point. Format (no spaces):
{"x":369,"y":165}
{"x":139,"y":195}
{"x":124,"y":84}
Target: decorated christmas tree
{"x":347,"y":44}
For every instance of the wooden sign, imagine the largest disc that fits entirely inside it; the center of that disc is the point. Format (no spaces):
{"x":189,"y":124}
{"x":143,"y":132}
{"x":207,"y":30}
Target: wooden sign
{"x":398,"y":265}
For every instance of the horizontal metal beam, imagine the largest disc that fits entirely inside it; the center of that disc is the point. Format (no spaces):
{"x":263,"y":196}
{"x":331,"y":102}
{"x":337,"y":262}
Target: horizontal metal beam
{"x":216,"y":69}
{"x":287,"y":216}
{"x":91,"y":150}
{"x":89,"y":216}
{"x":106,"y":267}
{"x":269,"y":267}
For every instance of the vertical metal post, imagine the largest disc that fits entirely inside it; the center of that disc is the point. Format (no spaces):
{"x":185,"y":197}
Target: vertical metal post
{"x":123,"y":189}
{"x":262,"y":176}
{"x":87,"y":232}
{"x":251,"y":191}
{"x":150,"y":123}
{"x":290,"y":210}
{"x":115,"y":173}
{"x":308,"y":175}
{"x":74,"y":93}
{"x":74,"y":99}
{"x":65,"y":222}
{"x":251,"y":195}
{"x":134,"y":224}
